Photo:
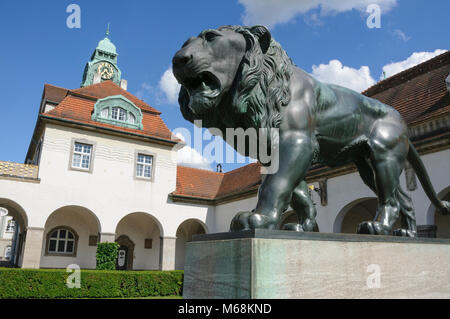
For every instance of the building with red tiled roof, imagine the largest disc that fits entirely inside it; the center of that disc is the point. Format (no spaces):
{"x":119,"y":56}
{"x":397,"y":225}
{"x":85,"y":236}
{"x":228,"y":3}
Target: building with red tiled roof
{"x":419,"y":93}
{"x":99,"y":168}
{"x":76,"y":107}
{"x":213,"y":187}
{"x":102,"y":167}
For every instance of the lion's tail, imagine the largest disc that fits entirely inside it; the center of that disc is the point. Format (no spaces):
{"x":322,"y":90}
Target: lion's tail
{"x":414,"y":159}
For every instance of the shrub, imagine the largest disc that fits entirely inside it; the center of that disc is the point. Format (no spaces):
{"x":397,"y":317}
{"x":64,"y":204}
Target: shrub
{"x":51,"y":283}
{"x":107,"y":256}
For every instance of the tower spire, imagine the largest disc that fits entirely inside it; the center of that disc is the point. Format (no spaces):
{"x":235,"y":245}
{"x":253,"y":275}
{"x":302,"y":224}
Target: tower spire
{"x":103,"y":62}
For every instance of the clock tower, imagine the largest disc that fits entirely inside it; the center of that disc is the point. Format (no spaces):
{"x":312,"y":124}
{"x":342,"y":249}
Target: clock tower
{"x":103,"y":64}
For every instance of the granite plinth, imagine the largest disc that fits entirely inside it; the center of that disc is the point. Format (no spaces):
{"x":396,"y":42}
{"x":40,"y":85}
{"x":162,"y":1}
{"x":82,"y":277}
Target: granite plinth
{"x":285,"y":264}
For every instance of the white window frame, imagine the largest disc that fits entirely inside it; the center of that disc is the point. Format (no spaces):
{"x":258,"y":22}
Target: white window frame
{"x":74,"y":152}
{"x":82,"y":154}
{"x":143,"y":164}
{"x":118,"y":112}
{"x":105,"y":113}
{"x":146,"y":163}
{"x":58,"y":239}
{"x":131,"y":118}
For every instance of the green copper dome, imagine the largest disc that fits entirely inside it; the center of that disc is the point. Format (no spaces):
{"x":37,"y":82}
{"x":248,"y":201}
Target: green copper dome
{"x":107,"y":46}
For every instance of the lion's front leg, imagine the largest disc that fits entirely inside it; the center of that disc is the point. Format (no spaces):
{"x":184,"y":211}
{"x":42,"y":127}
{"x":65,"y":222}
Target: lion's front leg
{"x":296,"y":153}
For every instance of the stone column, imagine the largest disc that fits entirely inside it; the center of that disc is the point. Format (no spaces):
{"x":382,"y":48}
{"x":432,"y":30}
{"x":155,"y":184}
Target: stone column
{"x":167,"y":253}
{"x":32,"y":249}
{"x":2,"y":225}
{"x":107,"y":237}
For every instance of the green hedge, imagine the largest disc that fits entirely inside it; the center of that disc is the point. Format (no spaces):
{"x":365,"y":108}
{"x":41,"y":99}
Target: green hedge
{"x":107,"y":255}
{"x":51,"y":283}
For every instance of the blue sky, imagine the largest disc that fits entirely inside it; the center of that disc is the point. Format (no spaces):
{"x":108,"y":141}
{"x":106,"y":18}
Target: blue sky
{"x":329,"y":39}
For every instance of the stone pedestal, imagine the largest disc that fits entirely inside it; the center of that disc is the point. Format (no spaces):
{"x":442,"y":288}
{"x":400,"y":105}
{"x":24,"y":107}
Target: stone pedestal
{"x":284,"y":264}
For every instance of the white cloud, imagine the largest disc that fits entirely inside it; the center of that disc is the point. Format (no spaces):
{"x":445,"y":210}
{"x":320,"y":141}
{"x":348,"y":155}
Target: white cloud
{"x":313,"y":19}
{"x":165,"y":92}
{"x":401,"y":35}
{"x":361,"y":79}
{"x":412,"y":60}
{"x":145,"y":90}
{"x":336,"y":73}
{"x":272,"y":12}
{"x":169,"y":86}
{"x":187,"y":156}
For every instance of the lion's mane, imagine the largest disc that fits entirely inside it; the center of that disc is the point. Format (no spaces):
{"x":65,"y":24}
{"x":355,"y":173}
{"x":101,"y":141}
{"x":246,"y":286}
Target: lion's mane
{"x":260,"y":88}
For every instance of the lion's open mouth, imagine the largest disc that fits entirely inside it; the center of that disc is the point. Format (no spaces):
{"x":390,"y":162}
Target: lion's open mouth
{"x":205,"y":84}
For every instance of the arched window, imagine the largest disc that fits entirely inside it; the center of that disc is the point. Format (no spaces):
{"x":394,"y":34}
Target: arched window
{"x":105,"y":113}
{"x":131,"y":118}
{"x":62,"y":241}
{"x":119,"y":111}
{"x":118,"y":114}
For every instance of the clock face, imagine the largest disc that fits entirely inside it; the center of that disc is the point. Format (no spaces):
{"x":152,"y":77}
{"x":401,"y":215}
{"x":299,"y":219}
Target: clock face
{"x":105,"y":70}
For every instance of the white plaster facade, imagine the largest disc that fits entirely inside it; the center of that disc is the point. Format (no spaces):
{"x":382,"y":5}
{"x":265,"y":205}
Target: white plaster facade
{"x":107,"y":200}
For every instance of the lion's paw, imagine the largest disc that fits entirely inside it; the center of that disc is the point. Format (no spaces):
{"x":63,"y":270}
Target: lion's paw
{"x":405,"y":233}
{"x":373,"y":228}
{"x":293,"y":227}
{"x":250,"y":220}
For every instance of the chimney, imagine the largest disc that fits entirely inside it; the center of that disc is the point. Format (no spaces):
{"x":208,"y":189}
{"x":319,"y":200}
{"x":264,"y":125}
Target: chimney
{"x":219,"y":168}
{"x":97,"y":78}
{"x":123,"y":84}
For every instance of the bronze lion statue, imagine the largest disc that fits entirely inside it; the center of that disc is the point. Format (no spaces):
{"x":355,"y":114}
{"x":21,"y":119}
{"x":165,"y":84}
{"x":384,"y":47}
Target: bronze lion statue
{"x":240,"y":77}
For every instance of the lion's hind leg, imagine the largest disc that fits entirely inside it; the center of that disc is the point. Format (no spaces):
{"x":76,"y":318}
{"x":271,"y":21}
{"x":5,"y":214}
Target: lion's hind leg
{"x":406,"y":208}
{"x":387,"y":157}
{"x":407,"y":211}
{"x":304,"y":208}
{"x":368,"y":177}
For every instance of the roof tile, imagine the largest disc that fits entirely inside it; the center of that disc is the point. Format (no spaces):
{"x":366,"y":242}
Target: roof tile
{"x":78,"y":106}
{"x":54,"y":94}
{"x":109,"y":88}
{"x":198,"y":182}
{"x":418,"y":93}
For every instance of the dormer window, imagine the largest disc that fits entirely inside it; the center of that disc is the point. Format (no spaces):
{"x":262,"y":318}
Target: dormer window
{"x":118,"y":114}
{"x":131,"y":118}
{"x":105,"y":113}
{"x":119,"y":111}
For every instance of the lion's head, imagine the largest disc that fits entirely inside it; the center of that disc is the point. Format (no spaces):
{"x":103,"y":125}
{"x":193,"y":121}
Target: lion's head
{"x":233,"y":76}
